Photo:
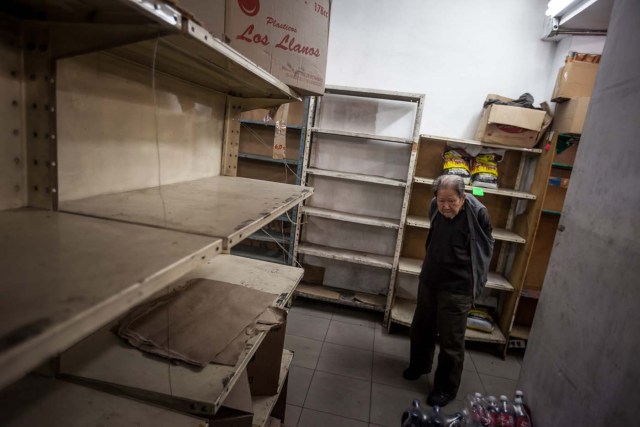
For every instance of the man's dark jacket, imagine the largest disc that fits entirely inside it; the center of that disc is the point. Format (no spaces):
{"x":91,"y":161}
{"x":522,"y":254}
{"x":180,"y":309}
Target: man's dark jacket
{"x":479,"y":237}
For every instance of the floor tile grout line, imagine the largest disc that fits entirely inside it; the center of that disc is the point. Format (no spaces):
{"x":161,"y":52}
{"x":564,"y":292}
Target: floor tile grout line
{"x":500,"y":378}
{"x":314,"y":369}
{"x":373,"y":352}
{"x":311,"y":315}
{"x":335,"y":415}
{"x":302,"y":336}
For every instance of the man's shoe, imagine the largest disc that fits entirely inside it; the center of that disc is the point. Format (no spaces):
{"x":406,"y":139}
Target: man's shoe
{"x":412,"y":374}
{"x":440,"y":399}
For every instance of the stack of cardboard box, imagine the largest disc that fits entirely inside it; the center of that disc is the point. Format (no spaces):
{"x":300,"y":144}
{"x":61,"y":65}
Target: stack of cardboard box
{"x":572,"y":94}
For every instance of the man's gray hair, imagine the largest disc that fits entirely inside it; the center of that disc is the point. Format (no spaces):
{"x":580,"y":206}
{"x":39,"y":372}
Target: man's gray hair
{"x":453,"y":182}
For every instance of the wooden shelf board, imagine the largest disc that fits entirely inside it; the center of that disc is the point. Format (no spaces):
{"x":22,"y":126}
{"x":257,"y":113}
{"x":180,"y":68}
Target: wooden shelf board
{"x":229,"y":208}
{"x":349,"y":217}
{"x":338,"y":296}
{"x":64,"y":276}
{"x":267,"y":159}
{"x":362,"y":135}
{"x":35,"y":399}
{"x":103,"y":359}
{"x":481,"y":144}
{"x":402,"y":313}
{"x":498,"y":233}
{"x":520,"y":332}
{"x":372,"y":93}
{"x":373,"y":179}
{"x":494,"y":280}
{"x":530,"y":293}
{"x":263,"y":405}
{"x":498,"y":191}
{"x":356,"y":257}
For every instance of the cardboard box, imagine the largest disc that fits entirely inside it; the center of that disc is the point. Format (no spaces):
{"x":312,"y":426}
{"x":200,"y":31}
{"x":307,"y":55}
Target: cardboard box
{"x":556,"y":193}
{"x":516,"y":126}
{"x":237,"y":408}
{"x":288,"y":38}
{"x":575,"y":80}
{"x":570,"y":115}
{"x":264,"y":367}
{"x":568,"y":156}
{"x":294,"y":118}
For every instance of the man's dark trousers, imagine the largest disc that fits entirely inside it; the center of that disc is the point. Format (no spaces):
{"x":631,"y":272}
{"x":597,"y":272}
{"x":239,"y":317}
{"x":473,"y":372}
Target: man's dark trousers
{"x":440,"y":315}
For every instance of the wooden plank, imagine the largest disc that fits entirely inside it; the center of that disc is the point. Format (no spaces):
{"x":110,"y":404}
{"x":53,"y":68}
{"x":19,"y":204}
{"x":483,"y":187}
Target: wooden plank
{"x":103,"y":359}
{"x":338,"y":296}
{"x":494,"y":280}
{"x":499,"y":191}
{"x":263,"y":405}
{"x":527,"y":225}
{"x":478,"y":143}
{"x":359,"y":135}
{"x":357,"y":177}
{"x":349,"y":217}
{"x":374,"y":93}
{"x":402,"y":313}
{"x":520,"y":332}
{"x":541,"y":251}
{"x":34,"y":399}
{"x":231,"y":208}
{"x":67,"y":275}
{"x":356,"y":257}
{"x":498,"y":233}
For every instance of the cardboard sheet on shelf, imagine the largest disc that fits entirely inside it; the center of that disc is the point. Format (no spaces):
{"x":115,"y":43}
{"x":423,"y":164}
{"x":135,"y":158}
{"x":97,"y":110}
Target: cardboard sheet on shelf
{"x":198,"y":322}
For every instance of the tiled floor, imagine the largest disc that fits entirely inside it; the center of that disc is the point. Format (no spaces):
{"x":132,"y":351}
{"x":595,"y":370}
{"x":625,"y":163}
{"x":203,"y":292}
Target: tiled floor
{"x":347,"y":370}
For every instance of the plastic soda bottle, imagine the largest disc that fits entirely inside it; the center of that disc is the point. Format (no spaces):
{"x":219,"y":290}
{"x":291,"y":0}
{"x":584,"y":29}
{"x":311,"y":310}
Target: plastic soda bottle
{"x":506,"y":415}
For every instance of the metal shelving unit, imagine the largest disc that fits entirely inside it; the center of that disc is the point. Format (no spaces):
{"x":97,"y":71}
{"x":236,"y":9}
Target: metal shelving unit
{"x":511,"y":231}
{"x":344,"y":133}
{"x":278,"y":245}
{"x":110,"y":213}
{"x":101,"y":359}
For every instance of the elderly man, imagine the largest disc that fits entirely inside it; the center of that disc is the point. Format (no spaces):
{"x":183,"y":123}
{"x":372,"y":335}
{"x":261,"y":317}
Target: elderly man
{"x":459,"y":249}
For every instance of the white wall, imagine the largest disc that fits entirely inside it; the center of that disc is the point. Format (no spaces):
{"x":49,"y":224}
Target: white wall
{"x":454,"y":51}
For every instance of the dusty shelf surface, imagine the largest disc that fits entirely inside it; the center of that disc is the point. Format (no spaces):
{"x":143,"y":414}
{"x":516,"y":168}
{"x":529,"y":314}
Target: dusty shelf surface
{"x":103,"y":359}
{"x":64,"y":276}
{"x":35,"y":400}
{"x":229,"y":208}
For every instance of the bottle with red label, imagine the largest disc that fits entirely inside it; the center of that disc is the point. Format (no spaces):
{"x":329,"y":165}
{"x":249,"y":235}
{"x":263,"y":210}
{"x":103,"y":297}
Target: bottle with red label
{"x":522,"y":418}
{"x":493,"y":410}
{"x":506,"y":416}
